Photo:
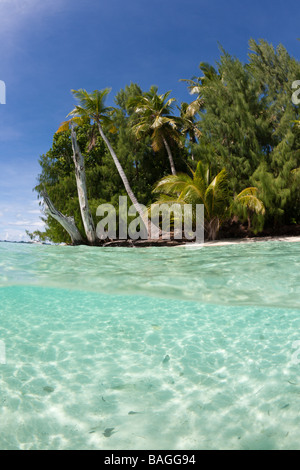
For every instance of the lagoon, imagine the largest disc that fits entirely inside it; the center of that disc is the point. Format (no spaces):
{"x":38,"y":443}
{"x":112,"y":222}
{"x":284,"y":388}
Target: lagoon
{"x":150,"y":348}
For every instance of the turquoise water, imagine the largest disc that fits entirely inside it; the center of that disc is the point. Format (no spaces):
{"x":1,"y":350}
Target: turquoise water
{"x":157,"y":348}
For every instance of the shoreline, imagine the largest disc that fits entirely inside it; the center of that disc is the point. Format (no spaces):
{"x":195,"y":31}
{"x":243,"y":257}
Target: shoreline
{"x":238,"y":241}
{"x":171,"y":243}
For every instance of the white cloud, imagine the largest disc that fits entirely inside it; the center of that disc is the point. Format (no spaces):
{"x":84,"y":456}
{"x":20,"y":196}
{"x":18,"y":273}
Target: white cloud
{"x":18,"y":205}
{"x":14,"y":236}
{"x":26,"y":223}
{"x":14,"y":221}
{"x":19,"y":222}
{"x":35,"y":211}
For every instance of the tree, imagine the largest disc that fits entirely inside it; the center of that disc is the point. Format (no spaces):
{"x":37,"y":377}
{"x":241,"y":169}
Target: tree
{"x":247,"y":119}
{"x":248,"y":201}
{"x":231,"y":118}
{"x":78,"y":160}
{"x":92,"y":106}
{"x":189,"y":129}
{"x":154,"y":115}
{"x":275,"y":71}
{"x":212,"y":192}
{"x":67,"y":223}
{"x":58,"y":178}
{"x":135,"y":155}
{"x":242,"y":120}
{"x":200,"y":188}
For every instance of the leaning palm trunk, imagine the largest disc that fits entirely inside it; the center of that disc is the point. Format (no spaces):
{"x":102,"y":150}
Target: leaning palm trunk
{"x":170,"y":156}
{"x":67,"y":223}
{"x":87,"y":219}
{"x":150,"y":227}
{"x":249,"y":215}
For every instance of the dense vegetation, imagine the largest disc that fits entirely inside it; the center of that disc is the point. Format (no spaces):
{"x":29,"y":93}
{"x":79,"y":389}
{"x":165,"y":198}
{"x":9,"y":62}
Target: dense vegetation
{"x":241,"y":123}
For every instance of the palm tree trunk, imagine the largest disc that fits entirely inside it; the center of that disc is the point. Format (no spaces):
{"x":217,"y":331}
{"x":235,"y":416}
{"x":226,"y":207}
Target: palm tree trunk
{"x":67,"y":223}
{"x":213,"y":228}
{"x":249,"y":220}
{"x":192,"y":141}
{"x":173,"y":170}
{"x":86,"y":215}
{"x":150,"y":227}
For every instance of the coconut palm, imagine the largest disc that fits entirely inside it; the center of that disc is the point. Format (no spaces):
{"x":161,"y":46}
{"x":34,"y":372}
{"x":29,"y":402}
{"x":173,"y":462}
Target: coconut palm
{"x":200,"y":188}
{"x":196,"y":85}
{"x":188,"y":113}
{"x":189,"y":128}
{"x":154,"y":116}
{"x":248,"y":200}
{"x":212,"y":192}
{"x":92,"y":106}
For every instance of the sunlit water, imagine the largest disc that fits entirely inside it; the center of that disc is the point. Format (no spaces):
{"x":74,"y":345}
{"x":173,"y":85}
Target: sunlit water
{"x":157,"y":348}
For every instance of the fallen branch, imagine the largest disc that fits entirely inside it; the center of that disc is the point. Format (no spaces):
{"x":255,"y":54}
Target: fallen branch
{"x":68,"y":223}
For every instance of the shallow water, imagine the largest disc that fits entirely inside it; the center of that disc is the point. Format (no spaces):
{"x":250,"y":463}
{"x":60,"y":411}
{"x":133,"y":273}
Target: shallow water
{"x":157,"y":348}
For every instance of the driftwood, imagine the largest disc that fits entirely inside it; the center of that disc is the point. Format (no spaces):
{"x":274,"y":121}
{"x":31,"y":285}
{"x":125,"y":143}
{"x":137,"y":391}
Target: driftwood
{"x":68,"y":223}
{"x":86,"y":215}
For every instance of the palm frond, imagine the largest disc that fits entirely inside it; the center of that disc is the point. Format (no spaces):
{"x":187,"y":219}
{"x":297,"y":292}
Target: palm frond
{"x":248,"y":199}
{"x":173,"y":184}
{"x":65,"y":125}
{"x":91,"y":104}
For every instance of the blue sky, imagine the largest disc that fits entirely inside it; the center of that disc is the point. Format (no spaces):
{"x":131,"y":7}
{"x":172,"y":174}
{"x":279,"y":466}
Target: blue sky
{"x":48,"y":47}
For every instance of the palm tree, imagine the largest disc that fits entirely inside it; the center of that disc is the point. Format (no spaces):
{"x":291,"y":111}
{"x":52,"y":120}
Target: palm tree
{"x":189,"y":128}
{"x":196,"y":86}
{"x":154,"y":115}
{"x":248,"y":200}
{"x":212,"y":192}
{"x":92,"y":106}
{"x":199,"y":189}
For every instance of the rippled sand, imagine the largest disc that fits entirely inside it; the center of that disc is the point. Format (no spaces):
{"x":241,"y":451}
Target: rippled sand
{"x":87,"y":370}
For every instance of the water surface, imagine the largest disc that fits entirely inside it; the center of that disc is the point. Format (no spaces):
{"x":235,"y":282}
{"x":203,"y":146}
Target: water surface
{"x":156,"y":348}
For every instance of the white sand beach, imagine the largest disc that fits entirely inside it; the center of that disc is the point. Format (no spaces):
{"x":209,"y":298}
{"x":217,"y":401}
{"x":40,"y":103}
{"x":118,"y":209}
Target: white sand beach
{"x":232,"y":241}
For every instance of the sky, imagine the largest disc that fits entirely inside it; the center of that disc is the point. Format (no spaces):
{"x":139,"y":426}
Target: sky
{"x":48,"y":47}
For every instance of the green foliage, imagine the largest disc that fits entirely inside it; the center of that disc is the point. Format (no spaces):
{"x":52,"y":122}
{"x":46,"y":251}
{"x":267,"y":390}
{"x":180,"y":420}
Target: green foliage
{"x":248,"y":206}
{"x":211,"y":191}
{"x":153,"y":116}
{"x":248,"y":125}
{"x":275,"y":70}
{"x":142,"y":166}
{"x":58,"y":177}
{"x":200,"y":188}
{"x":241,"y":119}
